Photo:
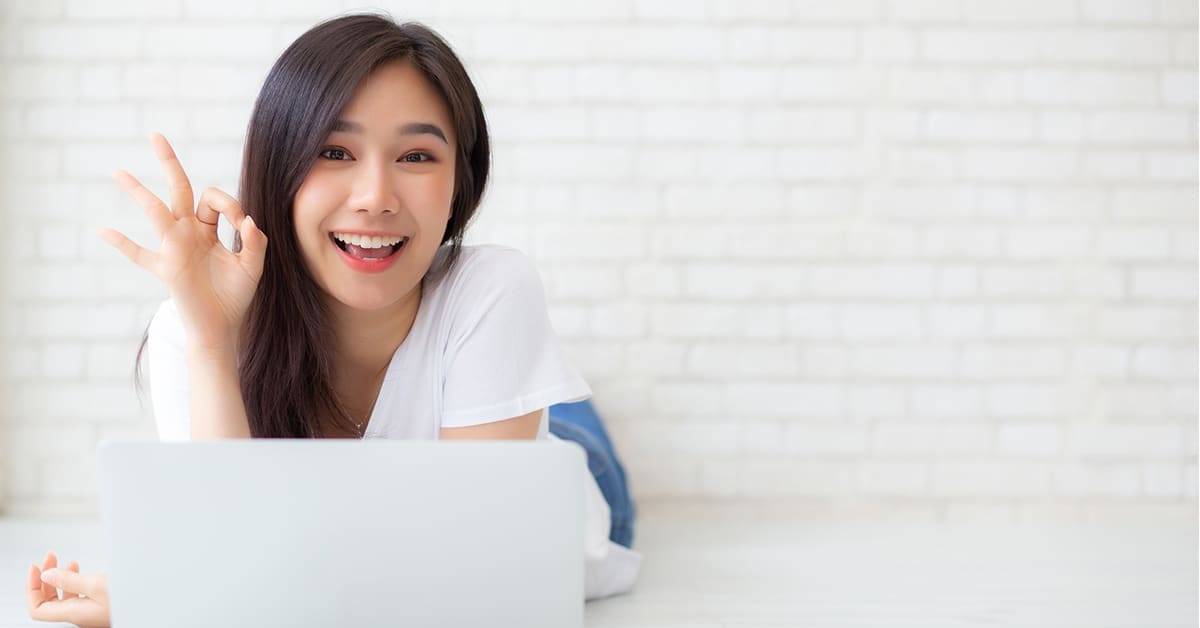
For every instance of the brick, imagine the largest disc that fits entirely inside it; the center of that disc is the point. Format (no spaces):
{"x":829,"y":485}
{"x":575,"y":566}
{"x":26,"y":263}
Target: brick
{"x":718,"y":200}
{"x":695,"y":320}
{"x":655,"y":357}
{"x":782,"y":477}
{"x":810,"y":44}
{"x":904,"y":361}
{"x":1013,"y":361}
{"x":1109,"y":46}
{"x":1145,"y":321}
{"x":809,"y":439}
{"x":82,"y":42}
{"x":954,"y":242}
{"x":880,"y":322}
{"x":979,"y":45}
{"x":123,"y":11}
{"x":1134,"y":243}
{"x":991,"y":478}
{"x":894,"y":478}
{"x":958,"y":125}
{"x":1176,"y":166}
{"x":925,"y":10}
{"x":1154,"y":203}
{"x":1018,"y":164}
{"x":788,"y":126}
{"x":1114,"y":441}
{"x":1162,"y":479}
{"x":694,"y":125}
{"x":826,"y":360}
{"x":687,"y":399}
{"x":914,"y":84}
{"x":1029,"y":439}
{"x":737,"y":281}
{"x":744,"y":360}
{"x":785,"y":400}
{"x":1087,"y":86}
{"x":1173,"y":284}
{"x":780,"y":241}
{"x":1020,"y":12}
{"x":1096,"y":480}
{"x":888,"y":44}
{"x":891,"y":281}
{"x":583,"y":282}
{"x":802,"y":83}
{"x":645,"y":279}
{"x":761,"y":437}
{"x":1117,"y":11}
{"x":1048,"y":242}
{"x":618,"y":320}
{"x":569,"y":321}
{"x":1138,"y":127}
{"x":30,"y":82}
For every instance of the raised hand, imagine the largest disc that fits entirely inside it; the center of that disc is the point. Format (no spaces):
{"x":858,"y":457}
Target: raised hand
{"x":211,"y":285}
{"x":85,"y":596}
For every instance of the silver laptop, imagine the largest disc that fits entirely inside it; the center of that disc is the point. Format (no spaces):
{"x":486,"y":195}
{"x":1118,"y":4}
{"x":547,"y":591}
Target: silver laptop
{"x":344,"y":533}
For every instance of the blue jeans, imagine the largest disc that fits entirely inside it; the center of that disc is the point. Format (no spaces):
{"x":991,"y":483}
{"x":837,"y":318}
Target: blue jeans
{"x":579,"y":422}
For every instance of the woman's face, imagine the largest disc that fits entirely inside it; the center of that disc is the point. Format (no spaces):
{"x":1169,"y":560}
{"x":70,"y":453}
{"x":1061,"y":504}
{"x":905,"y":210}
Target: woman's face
{"x":387,"y":171}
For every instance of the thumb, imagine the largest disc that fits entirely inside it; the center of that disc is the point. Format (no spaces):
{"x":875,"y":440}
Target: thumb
{"x":254,"y":246}
{"x":68,"y":580}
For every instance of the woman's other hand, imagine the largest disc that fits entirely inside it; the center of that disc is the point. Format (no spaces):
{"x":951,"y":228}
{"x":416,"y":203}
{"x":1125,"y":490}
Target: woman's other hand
{"x":212,"y":286}
{"x":84,"y":599}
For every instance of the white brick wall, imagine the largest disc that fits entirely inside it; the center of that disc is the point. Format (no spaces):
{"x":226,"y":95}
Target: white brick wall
{"x":940,"y":249}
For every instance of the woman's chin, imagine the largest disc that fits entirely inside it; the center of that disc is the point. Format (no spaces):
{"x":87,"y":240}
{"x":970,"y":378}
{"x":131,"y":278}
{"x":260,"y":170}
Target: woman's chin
{"x":366,"y":302}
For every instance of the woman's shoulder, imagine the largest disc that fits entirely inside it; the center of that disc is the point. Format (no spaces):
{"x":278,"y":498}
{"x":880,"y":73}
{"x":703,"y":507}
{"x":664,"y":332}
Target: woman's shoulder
{"x":484,"y":266}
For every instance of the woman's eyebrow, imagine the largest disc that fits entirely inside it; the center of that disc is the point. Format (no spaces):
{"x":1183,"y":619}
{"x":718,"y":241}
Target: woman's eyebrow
{"x":412,"y":128}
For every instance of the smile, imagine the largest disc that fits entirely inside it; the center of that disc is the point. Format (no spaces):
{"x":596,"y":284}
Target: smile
{"x":368,"y":256}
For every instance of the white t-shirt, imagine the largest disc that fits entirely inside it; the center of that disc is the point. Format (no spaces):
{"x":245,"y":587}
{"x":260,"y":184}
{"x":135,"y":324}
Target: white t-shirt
{"x":481,"y":349}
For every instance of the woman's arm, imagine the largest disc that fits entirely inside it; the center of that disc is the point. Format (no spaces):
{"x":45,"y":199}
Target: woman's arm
{"x":217,"y":409}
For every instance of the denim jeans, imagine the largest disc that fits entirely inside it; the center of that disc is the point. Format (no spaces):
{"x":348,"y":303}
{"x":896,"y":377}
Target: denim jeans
{"x":579,"y":422}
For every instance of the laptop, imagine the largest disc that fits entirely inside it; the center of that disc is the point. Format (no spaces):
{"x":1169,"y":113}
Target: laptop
{"x":293,"y":532}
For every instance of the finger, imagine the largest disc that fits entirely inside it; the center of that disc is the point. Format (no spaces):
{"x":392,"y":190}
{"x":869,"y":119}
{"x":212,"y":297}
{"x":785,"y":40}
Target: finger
{"x":215,"y":203}
{"x":33,"y":588}
{"x":254,"y":248}
{"x":70,"y":581}
{"x":177,"y":181}
{"x":49,"y":592}
{"x":142,"y":257}
{"x":74,"y":566}
{"x":159,"y":214}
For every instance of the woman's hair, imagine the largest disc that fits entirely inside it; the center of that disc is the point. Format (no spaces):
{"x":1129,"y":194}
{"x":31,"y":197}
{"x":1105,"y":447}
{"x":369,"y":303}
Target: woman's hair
{"x":286,"y":352}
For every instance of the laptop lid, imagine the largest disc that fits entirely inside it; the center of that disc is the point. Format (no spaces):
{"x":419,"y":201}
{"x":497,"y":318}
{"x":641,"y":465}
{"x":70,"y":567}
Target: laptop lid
{"x":338,"y":532}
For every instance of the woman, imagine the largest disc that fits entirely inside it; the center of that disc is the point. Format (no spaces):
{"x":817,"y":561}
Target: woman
{"x":349,"y":307}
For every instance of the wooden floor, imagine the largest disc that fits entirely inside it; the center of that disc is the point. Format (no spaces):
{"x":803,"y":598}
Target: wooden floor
{"x":757,"y":565}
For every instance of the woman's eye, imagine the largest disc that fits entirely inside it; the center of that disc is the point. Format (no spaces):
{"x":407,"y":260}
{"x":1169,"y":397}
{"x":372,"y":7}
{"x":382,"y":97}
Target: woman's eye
{"x":429,"y":158}
{"x":336,"y":154}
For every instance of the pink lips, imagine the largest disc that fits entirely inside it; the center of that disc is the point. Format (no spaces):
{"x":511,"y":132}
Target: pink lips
{"x":369,"y":266}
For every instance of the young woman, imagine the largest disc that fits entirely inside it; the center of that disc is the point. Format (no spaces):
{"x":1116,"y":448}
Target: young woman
{"x":349,"y":307}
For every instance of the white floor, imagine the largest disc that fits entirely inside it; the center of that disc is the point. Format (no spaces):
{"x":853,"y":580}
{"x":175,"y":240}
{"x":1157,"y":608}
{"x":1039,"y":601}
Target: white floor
{"x":763,"y":565}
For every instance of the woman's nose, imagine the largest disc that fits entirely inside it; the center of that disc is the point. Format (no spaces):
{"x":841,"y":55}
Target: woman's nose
{"x":376,"y":189}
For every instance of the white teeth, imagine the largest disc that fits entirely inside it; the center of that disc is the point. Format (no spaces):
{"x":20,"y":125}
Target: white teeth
{"x":367,"y":242}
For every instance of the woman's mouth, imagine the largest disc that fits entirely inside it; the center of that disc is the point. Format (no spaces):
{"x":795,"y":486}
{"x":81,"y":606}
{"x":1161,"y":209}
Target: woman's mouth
{"x":366,"y":254}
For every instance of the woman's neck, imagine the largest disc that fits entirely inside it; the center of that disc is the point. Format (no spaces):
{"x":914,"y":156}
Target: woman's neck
{"x":367,"y":339}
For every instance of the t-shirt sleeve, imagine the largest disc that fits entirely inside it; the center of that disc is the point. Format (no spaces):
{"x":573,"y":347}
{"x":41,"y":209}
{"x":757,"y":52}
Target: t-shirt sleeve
{"x":502,"y":357}
{"x":168,"y":374}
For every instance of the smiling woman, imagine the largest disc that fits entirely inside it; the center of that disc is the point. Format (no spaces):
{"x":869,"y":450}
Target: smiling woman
{"x":349,"y":306}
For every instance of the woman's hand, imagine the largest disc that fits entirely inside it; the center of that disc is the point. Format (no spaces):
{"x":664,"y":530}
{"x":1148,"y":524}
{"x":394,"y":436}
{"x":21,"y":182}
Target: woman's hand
{"x":211,"y":285}
{"x":85,"y":597}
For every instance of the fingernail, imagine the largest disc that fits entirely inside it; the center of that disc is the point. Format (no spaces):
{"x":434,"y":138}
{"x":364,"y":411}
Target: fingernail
{"x":49,"y":575}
